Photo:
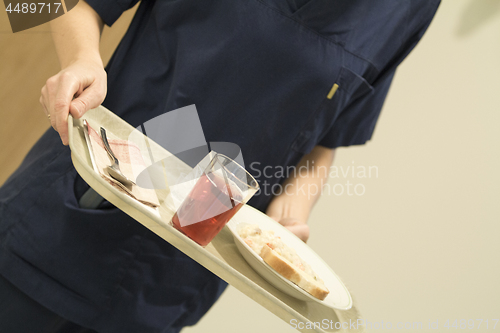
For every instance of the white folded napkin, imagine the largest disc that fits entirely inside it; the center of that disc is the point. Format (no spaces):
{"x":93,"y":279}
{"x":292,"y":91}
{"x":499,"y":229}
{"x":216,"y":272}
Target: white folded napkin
{"x":131,"y":164}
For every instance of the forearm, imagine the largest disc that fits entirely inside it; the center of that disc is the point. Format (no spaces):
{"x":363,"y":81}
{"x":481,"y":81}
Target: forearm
{"x":81,"y":84}
{"x":76,"y":35}
{"x":302,"y":189}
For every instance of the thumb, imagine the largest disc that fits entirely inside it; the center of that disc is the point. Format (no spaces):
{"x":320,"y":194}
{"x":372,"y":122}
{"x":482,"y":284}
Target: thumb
{"x":274,"y":217}
{"x":300,"y":230}
{"x":87,"y":100}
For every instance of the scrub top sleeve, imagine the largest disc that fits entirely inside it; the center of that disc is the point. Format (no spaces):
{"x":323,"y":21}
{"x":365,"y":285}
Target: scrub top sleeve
{"x":111,"y":10}
{"x":418,"y":20}
{"x":356,"y":123}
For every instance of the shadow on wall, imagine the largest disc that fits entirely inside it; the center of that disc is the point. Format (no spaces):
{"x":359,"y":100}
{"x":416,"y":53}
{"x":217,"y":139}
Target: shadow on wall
{"x":477,"y":13}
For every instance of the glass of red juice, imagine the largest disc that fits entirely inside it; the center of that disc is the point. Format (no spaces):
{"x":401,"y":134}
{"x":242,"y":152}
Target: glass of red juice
{"x":223,"y":188}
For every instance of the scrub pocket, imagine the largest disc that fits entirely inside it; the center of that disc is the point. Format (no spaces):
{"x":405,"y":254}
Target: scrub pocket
{"x":347,"y":88}
{"x":87,"y":197}
{"x":85,"y":251}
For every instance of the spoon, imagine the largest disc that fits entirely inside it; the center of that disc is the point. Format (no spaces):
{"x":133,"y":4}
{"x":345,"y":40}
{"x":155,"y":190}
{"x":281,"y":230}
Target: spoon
{"x":114,"y":169}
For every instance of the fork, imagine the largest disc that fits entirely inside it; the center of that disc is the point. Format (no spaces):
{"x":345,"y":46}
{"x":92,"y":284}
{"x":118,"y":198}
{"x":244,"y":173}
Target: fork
{"x":114,"y":169}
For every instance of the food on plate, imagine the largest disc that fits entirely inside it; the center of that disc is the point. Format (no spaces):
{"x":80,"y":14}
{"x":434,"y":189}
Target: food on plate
{"x":283,"y":259}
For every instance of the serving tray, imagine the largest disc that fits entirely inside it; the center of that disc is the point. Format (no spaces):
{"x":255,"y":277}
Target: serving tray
{"x":221,"y":256}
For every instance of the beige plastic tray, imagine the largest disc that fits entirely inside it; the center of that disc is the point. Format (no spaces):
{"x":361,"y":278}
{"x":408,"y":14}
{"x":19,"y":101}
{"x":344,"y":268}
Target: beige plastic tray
{"x":221,"y":256}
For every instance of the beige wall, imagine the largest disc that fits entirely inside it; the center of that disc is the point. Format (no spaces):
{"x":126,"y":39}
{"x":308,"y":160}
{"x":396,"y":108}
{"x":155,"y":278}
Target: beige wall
{"x":422,"y":243}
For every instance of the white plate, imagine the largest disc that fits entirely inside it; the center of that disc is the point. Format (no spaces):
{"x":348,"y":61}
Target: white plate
{"x":338,"y":298}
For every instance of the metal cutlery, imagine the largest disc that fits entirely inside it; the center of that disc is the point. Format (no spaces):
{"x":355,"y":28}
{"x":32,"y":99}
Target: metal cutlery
{"x":114,"y":169}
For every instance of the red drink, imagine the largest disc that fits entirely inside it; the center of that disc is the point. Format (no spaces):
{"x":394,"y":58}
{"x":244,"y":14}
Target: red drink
{"x":207,"y":209}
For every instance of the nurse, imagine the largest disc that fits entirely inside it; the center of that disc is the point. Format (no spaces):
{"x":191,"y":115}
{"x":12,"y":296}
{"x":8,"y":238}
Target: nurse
{"x":288,"y":81}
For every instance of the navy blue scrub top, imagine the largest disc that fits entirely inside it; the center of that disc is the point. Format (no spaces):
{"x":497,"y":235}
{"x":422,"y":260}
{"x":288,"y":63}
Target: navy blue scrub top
{"x":260,"y":73}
